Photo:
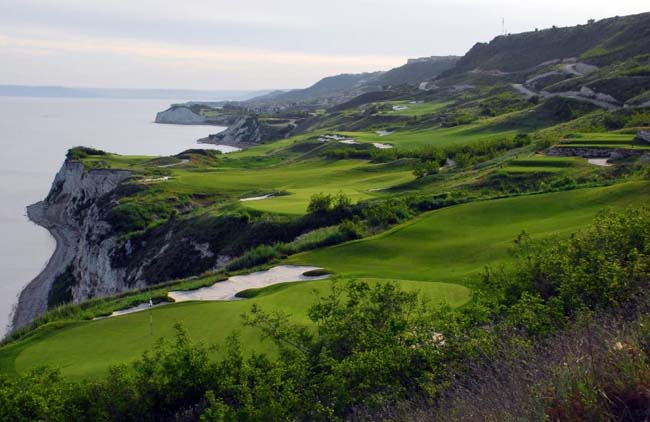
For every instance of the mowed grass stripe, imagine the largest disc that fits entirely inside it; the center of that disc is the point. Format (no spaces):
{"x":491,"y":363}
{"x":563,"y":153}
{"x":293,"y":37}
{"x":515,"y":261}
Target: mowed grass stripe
{"x":452,"y":244}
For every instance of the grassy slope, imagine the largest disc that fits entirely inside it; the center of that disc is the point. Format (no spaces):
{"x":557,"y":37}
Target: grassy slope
{"x":429,"y":137}
{"x":451,"y":244}
{"x":353,"y":177}
{"x":447,"y":245}
{"x":414,"y":109}
{"x":83,"y":349}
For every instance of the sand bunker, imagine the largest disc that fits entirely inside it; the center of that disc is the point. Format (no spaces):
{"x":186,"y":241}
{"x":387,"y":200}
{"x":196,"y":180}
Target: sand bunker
{"x":256,"y":198}
{"x":226,"y":290}
{"x":384,"y":132}
{"x":158,"y":179}
{"x":599,"y":162}
{"x":382,"y":146}
{"x":349,"y":142}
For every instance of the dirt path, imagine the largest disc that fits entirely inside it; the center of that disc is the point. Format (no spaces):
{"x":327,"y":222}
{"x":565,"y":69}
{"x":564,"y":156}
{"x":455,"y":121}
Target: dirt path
{"x":567,"y":94}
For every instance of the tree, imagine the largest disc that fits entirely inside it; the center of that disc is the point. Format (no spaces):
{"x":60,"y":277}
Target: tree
{"x":320,"y":203}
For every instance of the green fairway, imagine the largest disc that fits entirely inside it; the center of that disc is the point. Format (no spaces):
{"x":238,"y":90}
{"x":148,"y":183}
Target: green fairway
{"x":441,"y":137}
{"x":454,"y":243}
{"x":544,"y":165}
{"x":355,"y":178}
{"x":89,"y":348}
{"x":414,"y":109}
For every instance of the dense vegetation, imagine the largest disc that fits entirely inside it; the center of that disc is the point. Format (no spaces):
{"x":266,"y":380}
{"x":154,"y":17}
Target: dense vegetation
{"x":373,"y":346}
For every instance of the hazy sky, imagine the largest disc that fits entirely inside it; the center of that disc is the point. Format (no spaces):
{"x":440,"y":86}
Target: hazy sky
{"x":254,"y":44}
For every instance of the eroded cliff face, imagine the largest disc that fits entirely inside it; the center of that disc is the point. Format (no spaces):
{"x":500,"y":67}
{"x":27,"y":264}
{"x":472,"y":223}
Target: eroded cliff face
{"x":180,"y":116}
{"x":92,"y":259}
{"x":70,"y":214}
{"x":249,"y":130}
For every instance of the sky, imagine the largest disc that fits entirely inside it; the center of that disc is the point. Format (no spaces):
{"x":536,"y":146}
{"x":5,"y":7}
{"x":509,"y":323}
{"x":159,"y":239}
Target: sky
{"x":254,"y":44}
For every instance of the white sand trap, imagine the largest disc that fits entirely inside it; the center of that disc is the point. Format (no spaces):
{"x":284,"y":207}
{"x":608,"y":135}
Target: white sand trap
{"x":226,"y":290}
{"x":335,"y":137}
{"x":384,"y":132}
{"x":183,"y":161}
{"x":349,"y":142}
{"x":256,"y":198}
{"x":399,"y":107}
{"x":599,"y":162}
{"x":133,"y":309}
{"x":158,"y":179}
{"x":382,"y":146}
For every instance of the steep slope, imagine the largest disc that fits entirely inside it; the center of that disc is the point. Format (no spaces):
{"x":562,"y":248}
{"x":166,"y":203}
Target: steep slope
{"x":418,"y":70}
{"x":599,"y":43}
{"x":340,"y":88}
{"x":345,"y":85}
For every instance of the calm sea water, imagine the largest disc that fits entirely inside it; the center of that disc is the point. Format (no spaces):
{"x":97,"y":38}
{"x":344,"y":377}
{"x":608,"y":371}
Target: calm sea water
{"x":35,"y":134}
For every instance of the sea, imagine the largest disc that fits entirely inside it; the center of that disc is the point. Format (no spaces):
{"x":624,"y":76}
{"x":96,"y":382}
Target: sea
{"x":35,"y":134}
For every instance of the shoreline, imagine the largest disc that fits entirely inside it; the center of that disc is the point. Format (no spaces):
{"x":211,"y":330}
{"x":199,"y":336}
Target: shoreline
{"x":240,"y":145}
{"x":32,"y":300}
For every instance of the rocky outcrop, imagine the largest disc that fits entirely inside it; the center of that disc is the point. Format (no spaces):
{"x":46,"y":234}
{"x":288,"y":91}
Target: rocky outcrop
{"x":180,"y":116}
{"x":614,"y":153}
{"x":248,"y":131}
{"x":97,"y":258}
{"x":644,"y":136}
{"x":67,"y":213}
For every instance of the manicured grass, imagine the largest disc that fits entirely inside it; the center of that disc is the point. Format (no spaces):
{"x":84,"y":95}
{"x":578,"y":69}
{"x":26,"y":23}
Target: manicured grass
{"x":452,"y":244}
{"x":548,"y":162}
{"x":83,"y":349}
{"x":604,"y":140}
{"x":301,"y":180}
{"x":544,"y":164}
{"x":442,"y":137}
{"x":414,"y":109}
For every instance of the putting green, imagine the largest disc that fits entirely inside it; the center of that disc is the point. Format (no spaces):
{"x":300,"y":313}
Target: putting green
{"x":83,"y":349}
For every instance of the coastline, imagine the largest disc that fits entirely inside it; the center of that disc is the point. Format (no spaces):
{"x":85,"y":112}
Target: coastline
{"x":240,"y":145}
{"x":32,"y":300}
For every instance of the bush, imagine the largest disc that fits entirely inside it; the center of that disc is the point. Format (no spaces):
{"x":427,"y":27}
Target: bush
{"x":79,"y":153}
{"x":257,"y":256}
{"x":129,"y":217}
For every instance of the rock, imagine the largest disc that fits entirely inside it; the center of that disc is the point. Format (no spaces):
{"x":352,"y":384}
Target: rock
{"x":77,"y":211}
{"x":70,"y":213}
{"x":643,"y":136}
{"x":587,"y":92}
{"x":610,"y":153}
{"x":644,"y":160}
{"x":180,"y":115}
{"x":616,"y":155}
{"x":245,"y":130}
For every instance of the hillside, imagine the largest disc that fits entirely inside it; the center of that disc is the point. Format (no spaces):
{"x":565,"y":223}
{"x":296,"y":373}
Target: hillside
{"x":336,"y":89}
{"x":377,"y":250}
{"x":600,"y":43}
{"x":417,"y":71}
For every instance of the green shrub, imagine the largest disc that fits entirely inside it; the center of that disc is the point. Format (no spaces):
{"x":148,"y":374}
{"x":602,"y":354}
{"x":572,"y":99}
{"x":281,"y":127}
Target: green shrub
{"x":79,"y":153}
{"x":61,"y":290}
{"x":257,"y":256}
